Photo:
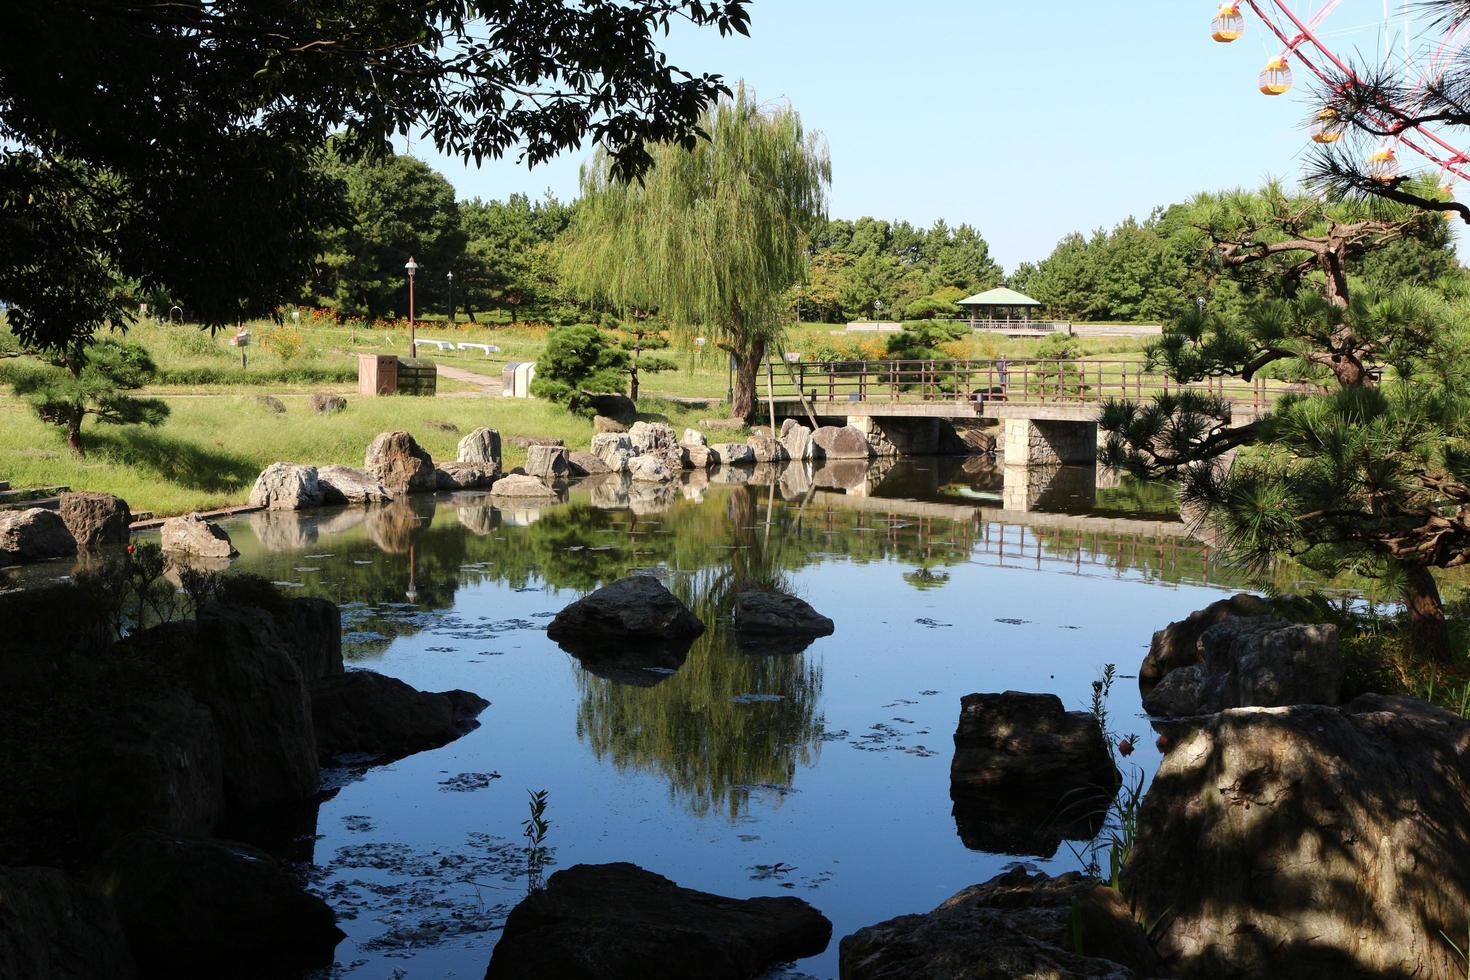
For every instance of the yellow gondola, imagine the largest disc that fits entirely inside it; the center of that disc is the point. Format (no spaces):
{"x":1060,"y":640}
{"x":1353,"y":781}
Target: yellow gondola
{"x":1228,"y":24}
{"x":1383,"y":166}
{"x":1326,"y":127}
{"x":1275,"y":78}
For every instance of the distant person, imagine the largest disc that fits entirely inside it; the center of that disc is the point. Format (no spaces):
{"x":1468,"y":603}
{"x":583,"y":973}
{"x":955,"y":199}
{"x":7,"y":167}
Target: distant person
{"x":1002,"y":374}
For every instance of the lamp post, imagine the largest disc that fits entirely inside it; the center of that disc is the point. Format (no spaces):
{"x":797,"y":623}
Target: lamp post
{"x":413,"y":334}
{"x":450,"y":276}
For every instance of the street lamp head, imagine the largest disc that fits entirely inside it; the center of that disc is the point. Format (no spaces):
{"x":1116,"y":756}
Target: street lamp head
{"x":450,"y":274}
{"x":411,"y":266}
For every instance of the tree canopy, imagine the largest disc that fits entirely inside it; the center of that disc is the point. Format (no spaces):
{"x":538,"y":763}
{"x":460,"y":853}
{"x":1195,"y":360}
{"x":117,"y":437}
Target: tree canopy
{"x":169,"y":118}
{"x":713,"y":237}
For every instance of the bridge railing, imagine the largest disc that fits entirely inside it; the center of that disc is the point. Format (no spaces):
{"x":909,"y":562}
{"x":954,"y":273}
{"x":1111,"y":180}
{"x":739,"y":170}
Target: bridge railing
{"x":1022,"y":380}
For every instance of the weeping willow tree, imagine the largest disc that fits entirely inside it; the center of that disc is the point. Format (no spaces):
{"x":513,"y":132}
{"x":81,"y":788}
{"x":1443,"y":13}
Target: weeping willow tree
{"x":713,"y":236}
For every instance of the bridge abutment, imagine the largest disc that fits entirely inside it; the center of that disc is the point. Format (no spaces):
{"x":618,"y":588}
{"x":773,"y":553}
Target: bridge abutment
{"x":1048,"y":442}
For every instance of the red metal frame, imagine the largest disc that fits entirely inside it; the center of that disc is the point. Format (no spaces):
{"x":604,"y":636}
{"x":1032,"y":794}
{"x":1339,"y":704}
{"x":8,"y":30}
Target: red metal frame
{"x":1453,"y":160}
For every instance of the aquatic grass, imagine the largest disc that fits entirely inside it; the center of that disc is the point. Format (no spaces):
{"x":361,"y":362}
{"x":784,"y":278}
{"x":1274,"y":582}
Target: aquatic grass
{"x":534,"y":829}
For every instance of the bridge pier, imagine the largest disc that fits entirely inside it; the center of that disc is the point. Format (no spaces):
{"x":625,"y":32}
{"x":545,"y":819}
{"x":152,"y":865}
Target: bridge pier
{"x":1048,"y":442}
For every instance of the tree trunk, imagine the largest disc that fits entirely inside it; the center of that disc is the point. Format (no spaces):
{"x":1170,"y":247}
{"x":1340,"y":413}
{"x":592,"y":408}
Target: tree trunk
{"x":74,"y":432}
{"x":747,"y":372}
{"x":633,"y":382}
{"x":1428,"y":631}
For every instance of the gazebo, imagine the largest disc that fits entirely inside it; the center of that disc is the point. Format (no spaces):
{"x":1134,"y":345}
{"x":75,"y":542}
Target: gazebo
{"x":1001,"y":304}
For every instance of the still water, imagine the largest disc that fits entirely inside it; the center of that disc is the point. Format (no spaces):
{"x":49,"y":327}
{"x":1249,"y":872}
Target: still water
{"x":822,"y":774}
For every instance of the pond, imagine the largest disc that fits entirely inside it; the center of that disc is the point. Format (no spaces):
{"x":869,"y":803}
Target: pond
{"x":822,"y":774}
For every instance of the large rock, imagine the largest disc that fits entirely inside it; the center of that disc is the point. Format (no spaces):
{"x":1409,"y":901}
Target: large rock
{"x":766,"y":448}
{"x":693,"y":437}
{"x":395,"y":460}
{"x":95,"y":520}
{"x":193,"y":535}
{"x":327,"y":404}
{"x":1015,"y":925}
{"x":602,"y":424}
{"x":620,"y":922}
{"x":547,"y":463}
{"x":697,"y":457}
{"x":732,"y":453}
{"x":613,"y":405}
{"x":349,"y":485}
{"x":632,"y":611}
{"x":1028,"y":774}
{"x":614,"y":449}
{"x":286,"y":486}
{"x":311,"y":631}
{"x":54,"y":928}
{"x":1177,"y":645}
{"x":586,"y":464}
{"x":242,"y":671}
{"x":197,"y":908}
{"x":526,"y":442}
{"x":1309,"y":842}
{"x":464,"y":476}
{"x":648,"y":469}
{"x":520,"y":485}
{"x":842,"y":442}
{"x":648,"y":436}
{"x":796,"y":439}
{"x":33,"y":535}
{"x":480,"y":446}
{"x":774,"y":622}
{"x":368,"y":715}
{"x":959,"y":438}
{"x":1255,"y":661}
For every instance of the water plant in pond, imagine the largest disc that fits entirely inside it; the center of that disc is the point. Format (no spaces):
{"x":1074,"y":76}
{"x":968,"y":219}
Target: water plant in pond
{"x":535,"y":829}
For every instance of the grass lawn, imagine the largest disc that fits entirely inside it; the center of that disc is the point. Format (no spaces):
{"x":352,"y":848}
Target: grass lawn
{"x":213,"y":446}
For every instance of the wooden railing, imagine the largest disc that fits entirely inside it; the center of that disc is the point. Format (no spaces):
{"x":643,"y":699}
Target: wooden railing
{"x":1026,"y":381}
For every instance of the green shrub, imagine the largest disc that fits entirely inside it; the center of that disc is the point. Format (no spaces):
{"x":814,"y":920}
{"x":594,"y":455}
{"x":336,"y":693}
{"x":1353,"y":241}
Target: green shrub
{"x":579,"y":359}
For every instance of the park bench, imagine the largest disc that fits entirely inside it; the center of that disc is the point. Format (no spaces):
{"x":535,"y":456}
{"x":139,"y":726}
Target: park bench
{"x":445,"y":346}
{"x":487,"y":348}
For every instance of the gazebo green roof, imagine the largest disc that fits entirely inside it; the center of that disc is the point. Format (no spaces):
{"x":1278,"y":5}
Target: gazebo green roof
{"x":1000,"y":296}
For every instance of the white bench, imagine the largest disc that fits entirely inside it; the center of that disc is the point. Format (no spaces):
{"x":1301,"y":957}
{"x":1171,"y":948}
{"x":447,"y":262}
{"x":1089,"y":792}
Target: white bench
{"x":443,"y":345}
{"x":487,"y":348}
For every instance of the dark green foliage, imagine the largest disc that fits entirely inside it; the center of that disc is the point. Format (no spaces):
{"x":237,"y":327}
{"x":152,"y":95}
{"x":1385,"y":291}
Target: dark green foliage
{"x":920,"y":341}
{"x":510,"y":260}
{"x":178,"y":148}
{"x":92,"y":380}
{"x":578,"y":360}
{"x":644,"y":335}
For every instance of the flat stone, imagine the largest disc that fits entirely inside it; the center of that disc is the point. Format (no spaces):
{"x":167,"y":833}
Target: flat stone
{"x":520,"y":485}
{"x":647,"y":469}
{"x":348,"y":485}
{"x":586,"y":464}
{"x":842,"y":442}
{"x":732,"y":453}
{"x":465,"y":476}
{"x":360,"y":712}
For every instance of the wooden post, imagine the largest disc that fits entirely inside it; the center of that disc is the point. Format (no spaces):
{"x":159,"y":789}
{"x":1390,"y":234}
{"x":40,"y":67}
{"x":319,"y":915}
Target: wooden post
{"x":771,"y":393}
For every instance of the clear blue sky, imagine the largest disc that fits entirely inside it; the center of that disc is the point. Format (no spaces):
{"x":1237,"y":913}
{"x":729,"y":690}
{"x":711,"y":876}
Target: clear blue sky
{"x":1027,"y":120}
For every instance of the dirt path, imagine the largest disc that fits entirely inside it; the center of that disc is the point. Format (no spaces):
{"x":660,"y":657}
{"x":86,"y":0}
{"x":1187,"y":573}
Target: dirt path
{"x":485,"y":385}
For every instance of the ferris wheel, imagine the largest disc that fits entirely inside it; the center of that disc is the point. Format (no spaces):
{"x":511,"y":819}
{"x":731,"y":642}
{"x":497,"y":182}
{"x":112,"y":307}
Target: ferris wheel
{"x":1325,"y":37}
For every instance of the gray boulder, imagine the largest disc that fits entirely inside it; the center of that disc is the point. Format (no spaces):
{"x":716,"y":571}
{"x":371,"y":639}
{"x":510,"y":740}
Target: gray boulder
{"x":776,"y":622}
{"x":520,"y":485}
{"x":52,"y":928}
{"x":193,"y":535}
{"x":648,"y":436}
{"x":842,"y":442}
{"x":732,"y":454}
{"x":586,"y":464}
{"x":766,"y":449}
{"x":1257,"y":661}
{"x":366,"y":715}
{"x":614,"y":449}
{"x":693,"y":437}
{"x":95,"y":520}
{"x":480,"y":446}
{"x":396,"y":461}
{"x":348,"y":485}
{"x":194,"y":908}
{"x":620,"y":922}
{"x":633,"y":610}
{"x":1015,"y":925}
{"x":464,"y":476}
{"x":698,"y":457}
{"x":31,"y":535}
{"x":547,"y":463}
{"x":1028,"y":774}
{"x":311,"y":631}
{"x":602,"y":424}
{"x":1309,"y":842}
{"x":1177,"y":645}
{"x":648,"y":469}
{"x":796,"y":439}
{"x":327,"y":404}
{"x":286,"y":486}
